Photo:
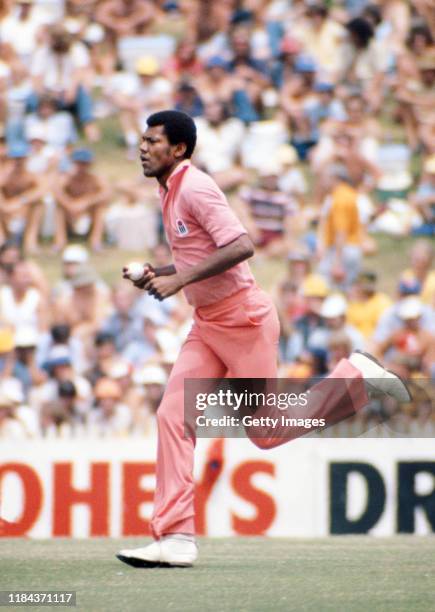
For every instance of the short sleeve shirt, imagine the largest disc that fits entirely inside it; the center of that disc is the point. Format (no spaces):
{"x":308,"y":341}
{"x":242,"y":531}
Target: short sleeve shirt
{"x":198,"y":220}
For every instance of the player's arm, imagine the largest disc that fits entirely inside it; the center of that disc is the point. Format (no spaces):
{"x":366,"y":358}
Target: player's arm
{"x":221,"y":260}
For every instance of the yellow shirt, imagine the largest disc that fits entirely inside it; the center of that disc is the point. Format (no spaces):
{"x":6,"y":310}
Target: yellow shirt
{"x":427,"y":293}
{"x":341,"y":216}
{"x":364,"y":315}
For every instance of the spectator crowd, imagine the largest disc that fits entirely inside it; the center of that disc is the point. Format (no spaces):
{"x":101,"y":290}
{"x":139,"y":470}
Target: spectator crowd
{"x":317,"y":119}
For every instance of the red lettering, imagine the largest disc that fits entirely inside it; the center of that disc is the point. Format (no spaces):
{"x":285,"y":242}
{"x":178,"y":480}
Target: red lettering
{"x":133,"y":496}
{"x":66,"y":496}
{"x":32,"y":503}
{"x":213,"y":468}
{"x":264,"y":503}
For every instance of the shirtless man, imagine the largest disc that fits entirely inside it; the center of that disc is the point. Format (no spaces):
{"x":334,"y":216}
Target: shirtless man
{"x":81,"y":199}
{"x":21,"y":195}
{"x":123,"y":18}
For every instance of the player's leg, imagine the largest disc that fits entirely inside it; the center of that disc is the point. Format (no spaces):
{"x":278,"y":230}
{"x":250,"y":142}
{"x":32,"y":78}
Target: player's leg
{"x":174,"y":496}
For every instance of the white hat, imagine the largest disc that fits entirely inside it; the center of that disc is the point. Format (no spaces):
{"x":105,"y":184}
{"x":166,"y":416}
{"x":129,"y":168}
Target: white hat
{"x":94,"y":33}
{"x":119,"y":369}
{"x":26,"y":336}
{"x":410,"y":308}
{"x":149,"y":375}
{"x":334,"y":306}
{"x":75,"y":253}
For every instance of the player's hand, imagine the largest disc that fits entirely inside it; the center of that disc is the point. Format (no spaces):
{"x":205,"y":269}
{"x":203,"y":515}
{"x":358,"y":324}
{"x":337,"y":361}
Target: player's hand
{"x":162,"y":287}
{"x":149,"y":273}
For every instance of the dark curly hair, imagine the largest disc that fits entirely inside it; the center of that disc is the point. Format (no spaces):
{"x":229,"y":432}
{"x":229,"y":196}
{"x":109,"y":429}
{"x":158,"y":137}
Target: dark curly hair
{"x":178,"y":127}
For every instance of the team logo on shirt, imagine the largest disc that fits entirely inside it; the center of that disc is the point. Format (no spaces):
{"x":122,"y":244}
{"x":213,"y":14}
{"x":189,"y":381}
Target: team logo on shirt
{"x":181,"y":227}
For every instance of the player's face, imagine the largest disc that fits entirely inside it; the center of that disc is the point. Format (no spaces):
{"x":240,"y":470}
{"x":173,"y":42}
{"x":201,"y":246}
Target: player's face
{"x":156,"y":153}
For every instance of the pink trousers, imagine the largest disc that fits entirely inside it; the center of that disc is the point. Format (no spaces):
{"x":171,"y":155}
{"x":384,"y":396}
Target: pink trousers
{"x":236,"y":338}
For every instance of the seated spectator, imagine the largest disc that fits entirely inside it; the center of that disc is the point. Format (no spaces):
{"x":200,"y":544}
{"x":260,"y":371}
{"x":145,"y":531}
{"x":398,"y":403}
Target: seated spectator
{"x":364,"y":129}
{"x":322,"y":38}
{"x":73,"y":258}
{"x":59,"y":69}
{"x":109,"y":416}
{"x":416,"y":99}
{"x":60,"y":336}
{"x":292,"y":180}
{"x":104,"y":357}
{"x":30,"y":375}
{"x":81,"y":199}
{"x":333,"y":312}
{"x":367,"y":62}
{"x":270,"y":213}
{"x":124,"y":17}
{"x":339,"y":346}
{"x":21,"y":205}
{"x":85,"y":308}
{"x":314,"y":292}
{"x":22,"y":29}
{"x":124,"y":324}
{"x":11,"y":426}
{"x":10,"y":255}
{"x":363,"y":173}
{"x":63,"y":413}
{"x":391,"y":321}
{"x":184,"y":64}
{"x":218,"y":145}
{"x":21,"y":303}
{"x":57,"y":126}
{"x":144,"y":347}
{"x":424,"y":199}
{"x":296,"y":97}
{"x":421,"y":270}
{"x":410,"y":344}
{"x":59,"y":369}
{"x":284,"y":67}
{"x":187,"y":100}
{"x":10,"y":369}
{"x":150,"y":381}
{"x":340,"y":233}
{"x":366,"y":304}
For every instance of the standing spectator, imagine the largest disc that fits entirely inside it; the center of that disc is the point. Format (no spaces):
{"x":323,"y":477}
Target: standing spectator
{"x":22,"y":29}
{"x":81,"y":199}
{"x":340,"y":233}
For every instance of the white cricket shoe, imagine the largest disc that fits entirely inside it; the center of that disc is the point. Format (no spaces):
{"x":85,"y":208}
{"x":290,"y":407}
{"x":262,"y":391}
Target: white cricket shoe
{"x":174,"y":550}
{"x":178,"y":550}
{"x":378,"y":379}
{"x":148,"y":556}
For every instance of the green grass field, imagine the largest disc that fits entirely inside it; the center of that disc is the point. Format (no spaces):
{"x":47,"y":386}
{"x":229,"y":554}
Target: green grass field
{"x":341,"y":574}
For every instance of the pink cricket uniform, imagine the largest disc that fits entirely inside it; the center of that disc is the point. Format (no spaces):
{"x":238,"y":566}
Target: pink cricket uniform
{"x":232,"y":318}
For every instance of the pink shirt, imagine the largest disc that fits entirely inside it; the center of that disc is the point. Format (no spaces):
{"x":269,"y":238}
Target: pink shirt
{"x":198,"y":220}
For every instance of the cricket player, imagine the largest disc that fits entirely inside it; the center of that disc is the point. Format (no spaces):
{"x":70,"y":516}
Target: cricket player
{"x":235,"y":331}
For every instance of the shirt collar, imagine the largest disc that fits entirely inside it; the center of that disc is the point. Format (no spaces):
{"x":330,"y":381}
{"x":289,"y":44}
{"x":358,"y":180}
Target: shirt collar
{"x":181,"y":168}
